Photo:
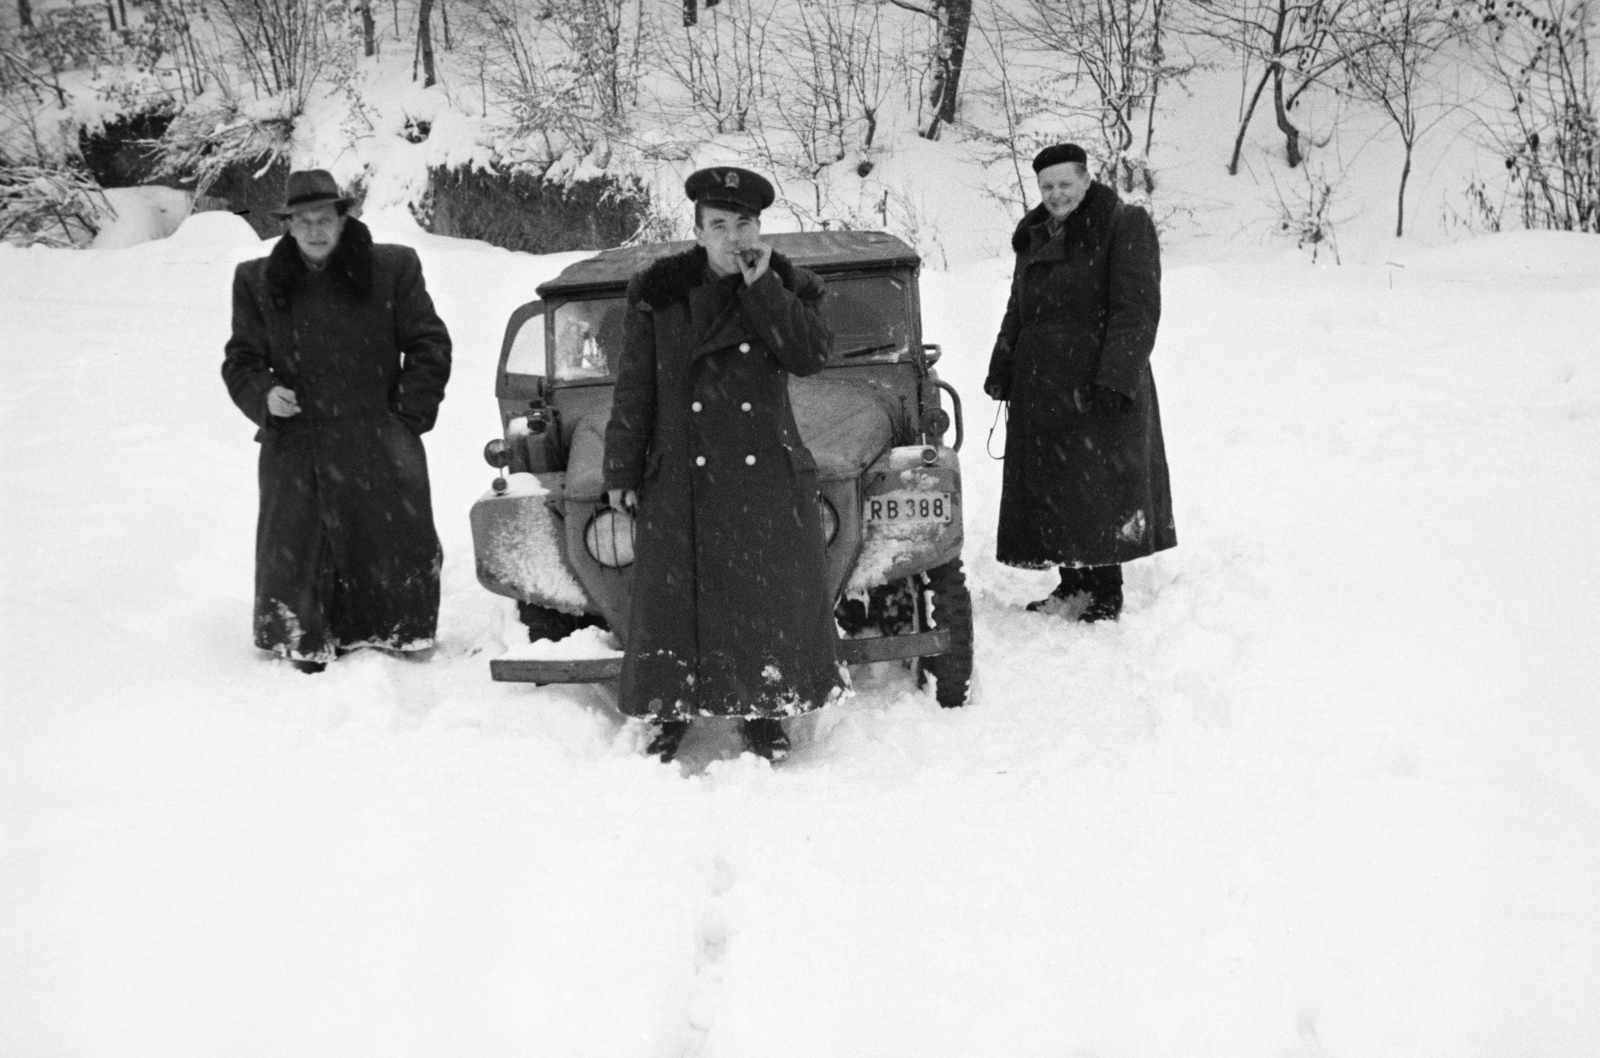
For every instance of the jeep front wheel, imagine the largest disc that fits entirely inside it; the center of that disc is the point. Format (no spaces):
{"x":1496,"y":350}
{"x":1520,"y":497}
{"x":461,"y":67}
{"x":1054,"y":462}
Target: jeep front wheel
{"x":951,"y":607}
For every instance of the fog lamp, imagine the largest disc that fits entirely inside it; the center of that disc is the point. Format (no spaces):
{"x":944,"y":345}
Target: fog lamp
{"x":609,"y":538}
{"x":830,"y":520}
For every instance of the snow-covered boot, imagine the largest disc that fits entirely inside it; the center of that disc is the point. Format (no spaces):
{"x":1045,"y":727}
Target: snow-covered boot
{"x":665,"y":744}
{"x":1104,"y":584}
{"x":766,"y":738}
{"x":1071,"y":584}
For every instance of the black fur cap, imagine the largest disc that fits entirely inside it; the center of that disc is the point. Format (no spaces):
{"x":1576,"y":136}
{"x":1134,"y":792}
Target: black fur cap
{"x":349,"y":266}
{"x":669,"y":280}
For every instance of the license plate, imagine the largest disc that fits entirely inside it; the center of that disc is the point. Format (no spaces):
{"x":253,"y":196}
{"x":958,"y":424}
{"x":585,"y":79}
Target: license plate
{"x":908,"y":507}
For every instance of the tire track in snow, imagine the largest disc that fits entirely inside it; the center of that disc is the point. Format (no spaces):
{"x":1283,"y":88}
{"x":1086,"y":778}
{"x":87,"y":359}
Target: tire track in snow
{"x":710,"y":958}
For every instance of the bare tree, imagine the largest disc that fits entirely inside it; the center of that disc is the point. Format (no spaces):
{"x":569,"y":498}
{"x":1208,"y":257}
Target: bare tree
{"x":282,"y":45}
{"x":1007,"y":141}
{"x":1391,"y":72}
{"x":1548,"y":130}
{"x":952,"y":22}
{"x":1299,"y":44}
{"x":566,"y":70}
{"x":718,"y":64}
{"x":1115,"y":47}
{"x":425,"y":44}
{"x":369,"y":30}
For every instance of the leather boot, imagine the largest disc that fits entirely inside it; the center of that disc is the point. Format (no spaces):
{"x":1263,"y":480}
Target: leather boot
{"x":1071,"y":584}
{"x":1104,"y":584}
{"x":668,"y":737}
{"x":766,"y":738}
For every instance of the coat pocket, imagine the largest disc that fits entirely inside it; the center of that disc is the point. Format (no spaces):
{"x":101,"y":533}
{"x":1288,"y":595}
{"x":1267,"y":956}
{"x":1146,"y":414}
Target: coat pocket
{"x":652,"y":466}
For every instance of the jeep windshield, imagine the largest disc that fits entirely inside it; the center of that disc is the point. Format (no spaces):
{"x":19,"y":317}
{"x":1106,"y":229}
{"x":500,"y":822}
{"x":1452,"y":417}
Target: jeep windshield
{"x":869,"y":314}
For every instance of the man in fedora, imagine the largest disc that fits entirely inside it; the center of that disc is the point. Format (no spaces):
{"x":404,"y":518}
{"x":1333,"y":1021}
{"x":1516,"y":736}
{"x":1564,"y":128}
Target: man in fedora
{"x":730,"y":614}
{"x":338,"y":356}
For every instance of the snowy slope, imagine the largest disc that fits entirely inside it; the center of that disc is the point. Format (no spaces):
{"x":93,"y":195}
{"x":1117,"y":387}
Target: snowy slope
{"x":1327,"y":790}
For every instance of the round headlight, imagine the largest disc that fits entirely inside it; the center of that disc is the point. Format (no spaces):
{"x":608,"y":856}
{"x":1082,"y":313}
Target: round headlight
{"x":830,"y":520}
{"x":609,"y":538}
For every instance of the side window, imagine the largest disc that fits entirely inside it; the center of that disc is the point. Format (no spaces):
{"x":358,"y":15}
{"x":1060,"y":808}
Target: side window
{"x":589,"y":338}
{"x":527,"y":348}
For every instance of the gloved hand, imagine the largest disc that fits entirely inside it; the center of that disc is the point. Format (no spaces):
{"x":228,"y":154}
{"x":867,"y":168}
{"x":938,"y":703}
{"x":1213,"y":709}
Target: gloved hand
{"x":996,"y":388}
{"x":1098,"y":398}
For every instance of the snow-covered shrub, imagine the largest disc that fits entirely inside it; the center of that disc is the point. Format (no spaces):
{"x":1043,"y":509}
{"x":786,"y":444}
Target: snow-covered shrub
{"x":202,"y":143}
{"x":717,"y":66}
{"x":564,"y":73}
{"x":1547,"y":130}
{"x":524,"y":211}
{"x":1304,"y":213}
{"x":55,"y":207}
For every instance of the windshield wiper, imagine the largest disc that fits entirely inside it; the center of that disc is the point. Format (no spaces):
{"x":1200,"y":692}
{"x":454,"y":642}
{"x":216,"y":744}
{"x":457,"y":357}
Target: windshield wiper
{"x":890,"y":347}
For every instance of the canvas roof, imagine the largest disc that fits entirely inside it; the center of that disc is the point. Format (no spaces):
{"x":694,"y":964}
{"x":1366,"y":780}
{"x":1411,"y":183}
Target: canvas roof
{"x":820,"y":251}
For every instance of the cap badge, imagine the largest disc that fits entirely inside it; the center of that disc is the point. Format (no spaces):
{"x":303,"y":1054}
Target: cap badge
{"x":730,"y":179}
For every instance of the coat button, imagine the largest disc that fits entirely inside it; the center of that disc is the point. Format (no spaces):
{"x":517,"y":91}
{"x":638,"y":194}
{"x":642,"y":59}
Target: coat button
{"x":745,"y":406}
{"x":744,"y":347}
{"x":699,"y":461}
{"x":749,"y":461}
{"x":695,"y":406}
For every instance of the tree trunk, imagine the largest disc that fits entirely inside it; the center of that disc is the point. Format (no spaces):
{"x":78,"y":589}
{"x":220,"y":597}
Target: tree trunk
{"x":425,"y":42}
{"x":955,"y":19}
{"x":691,"y":12}
{"x":444,"y":17}
{"x":1400,"y":209}
{"x":1244,"y":122}
{"x":1291,"y":134}
{"x":111,"y":15}
{"x":25,"y":13}
{"x":369,"y":30}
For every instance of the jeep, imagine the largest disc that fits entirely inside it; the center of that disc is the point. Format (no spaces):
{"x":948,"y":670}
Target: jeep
{"x":874,"y":418}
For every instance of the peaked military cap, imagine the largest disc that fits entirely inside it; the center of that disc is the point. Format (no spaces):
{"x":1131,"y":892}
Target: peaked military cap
{"x":729,"y":187}
{"x":1059,"y":154}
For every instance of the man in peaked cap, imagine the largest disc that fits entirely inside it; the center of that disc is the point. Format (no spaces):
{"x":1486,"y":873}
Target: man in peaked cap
{"x":730,"y":614}
{"x":338,"y":356}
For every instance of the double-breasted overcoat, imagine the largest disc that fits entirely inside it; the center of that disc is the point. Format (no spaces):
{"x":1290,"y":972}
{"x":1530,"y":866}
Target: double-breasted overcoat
{"x":346,"y":553}
{"x":730,"y":611}
{"x":1082,"y":487}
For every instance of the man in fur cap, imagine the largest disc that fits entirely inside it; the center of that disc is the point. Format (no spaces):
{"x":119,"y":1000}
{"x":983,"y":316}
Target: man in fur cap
{"x":1086,"y":486}
{"x":338,"y":356}
{"x":730,"y":613}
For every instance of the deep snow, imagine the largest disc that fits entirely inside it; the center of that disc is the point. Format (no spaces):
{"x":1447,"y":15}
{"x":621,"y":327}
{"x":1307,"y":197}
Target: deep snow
{"x":1328,"y":789}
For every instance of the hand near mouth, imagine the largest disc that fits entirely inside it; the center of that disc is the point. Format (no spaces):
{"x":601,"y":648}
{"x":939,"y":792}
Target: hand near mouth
{"x":753,"y":262}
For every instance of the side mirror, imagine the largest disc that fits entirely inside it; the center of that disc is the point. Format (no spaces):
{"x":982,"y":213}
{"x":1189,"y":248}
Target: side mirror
{"x":498,"y":456}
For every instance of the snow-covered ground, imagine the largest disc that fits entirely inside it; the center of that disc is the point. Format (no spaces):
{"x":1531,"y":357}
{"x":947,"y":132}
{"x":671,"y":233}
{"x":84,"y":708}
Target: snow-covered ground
{"x":1328,"y":789}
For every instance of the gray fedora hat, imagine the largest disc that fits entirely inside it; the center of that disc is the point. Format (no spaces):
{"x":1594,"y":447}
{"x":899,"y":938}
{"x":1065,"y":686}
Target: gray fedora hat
{"x":311,"y":187}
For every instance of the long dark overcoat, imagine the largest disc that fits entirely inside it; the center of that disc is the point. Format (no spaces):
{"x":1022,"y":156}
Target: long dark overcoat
{"x":730,"y":613}
{"x":1082,"y":487}
{"x":346,"y":553}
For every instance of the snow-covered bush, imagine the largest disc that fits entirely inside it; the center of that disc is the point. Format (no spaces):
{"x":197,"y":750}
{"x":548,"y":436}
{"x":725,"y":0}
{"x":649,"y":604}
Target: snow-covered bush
{"x":1547,"y":129}
{"x":55,"y":207}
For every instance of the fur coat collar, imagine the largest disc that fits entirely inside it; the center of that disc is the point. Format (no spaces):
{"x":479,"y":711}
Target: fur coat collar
{"x":669,"y":280}
{"x":350,"y":266}
{"x":1097,"y":203}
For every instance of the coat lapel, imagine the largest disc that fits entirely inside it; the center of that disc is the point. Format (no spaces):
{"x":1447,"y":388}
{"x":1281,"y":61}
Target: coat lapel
{"x":715,"y":318}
